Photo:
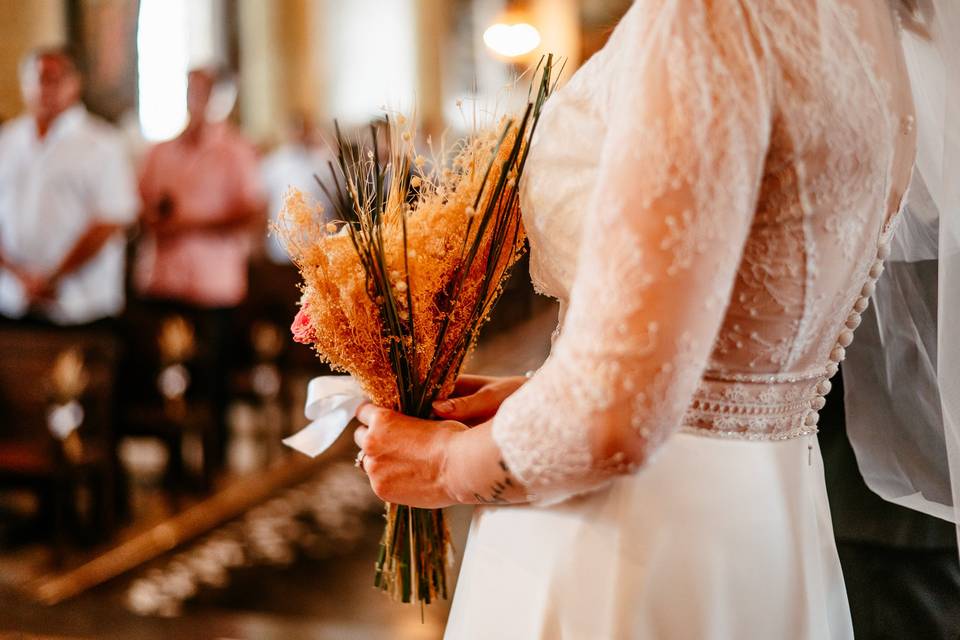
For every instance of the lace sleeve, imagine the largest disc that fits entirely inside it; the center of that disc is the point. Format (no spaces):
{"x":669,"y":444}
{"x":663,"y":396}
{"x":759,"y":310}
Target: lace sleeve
{"x":688,"y":129}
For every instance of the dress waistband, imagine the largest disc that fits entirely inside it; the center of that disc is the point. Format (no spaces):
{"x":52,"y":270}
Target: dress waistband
{"x":774,"y":409}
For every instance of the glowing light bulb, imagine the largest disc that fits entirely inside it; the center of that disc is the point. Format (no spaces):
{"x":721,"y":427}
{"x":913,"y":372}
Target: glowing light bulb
{"x":511,"y":40}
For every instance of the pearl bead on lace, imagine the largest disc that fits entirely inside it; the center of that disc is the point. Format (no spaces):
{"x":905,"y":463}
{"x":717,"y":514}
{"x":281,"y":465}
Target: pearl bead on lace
{"x":838,"y":354}
{"x":846,"y":337}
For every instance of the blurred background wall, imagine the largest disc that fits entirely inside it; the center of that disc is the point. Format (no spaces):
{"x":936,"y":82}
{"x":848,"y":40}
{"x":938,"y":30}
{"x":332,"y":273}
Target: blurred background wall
{"x":25,"y":25}
{"x":323,"y":57}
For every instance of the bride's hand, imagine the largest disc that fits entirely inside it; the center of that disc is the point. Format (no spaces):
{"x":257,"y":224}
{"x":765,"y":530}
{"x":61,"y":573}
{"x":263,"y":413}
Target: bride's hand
{"x":405,"y":457}
{"x":477,"y":398}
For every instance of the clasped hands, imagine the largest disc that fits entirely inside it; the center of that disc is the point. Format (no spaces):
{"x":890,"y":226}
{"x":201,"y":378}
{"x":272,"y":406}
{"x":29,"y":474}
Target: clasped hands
{"x":425,"y":463}
{"x":37,"y":288}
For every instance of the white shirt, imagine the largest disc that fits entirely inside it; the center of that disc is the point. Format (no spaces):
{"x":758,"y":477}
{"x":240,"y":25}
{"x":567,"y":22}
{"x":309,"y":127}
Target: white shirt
{"x":51,"y":191}
{"x":293,"y":166}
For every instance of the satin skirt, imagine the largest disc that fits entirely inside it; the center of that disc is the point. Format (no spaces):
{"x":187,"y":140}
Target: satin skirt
{"x":715,"y":539}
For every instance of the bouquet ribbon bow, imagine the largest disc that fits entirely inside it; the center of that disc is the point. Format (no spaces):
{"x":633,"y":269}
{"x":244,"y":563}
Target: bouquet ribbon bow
{"x":332,"y":402}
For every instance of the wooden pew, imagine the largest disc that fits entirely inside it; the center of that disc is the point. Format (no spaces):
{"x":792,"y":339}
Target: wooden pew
{"x":31,"y":456}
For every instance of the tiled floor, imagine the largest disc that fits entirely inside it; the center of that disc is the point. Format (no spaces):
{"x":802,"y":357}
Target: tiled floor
{"x":310,"y":599}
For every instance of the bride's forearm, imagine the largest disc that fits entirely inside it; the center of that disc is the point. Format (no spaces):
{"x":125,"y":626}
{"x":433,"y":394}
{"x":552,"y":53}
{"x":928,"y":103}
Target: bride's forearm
{"x":475,"y":472}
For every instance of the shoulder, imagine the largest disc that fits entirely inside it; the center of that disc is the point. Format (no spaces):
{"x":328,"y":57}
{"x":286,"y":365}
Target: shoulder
{"x":164,"y":152}
{"x":693,"y":45}
{"x":100,"y":136}
{"x":225,"y":134}
{"x":15,"y":138}
{"x":162,"y":148}
{"x":684,"y":19}
{"x":236,"y":145}
{"x":95,"y":125}
{"x":14,"y":131}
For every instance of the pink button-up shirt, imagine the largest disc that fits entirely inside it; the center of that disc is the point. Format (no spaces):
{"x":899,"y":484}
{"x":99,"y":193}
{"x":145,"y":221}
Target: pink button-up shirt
{"x":212,"y":179}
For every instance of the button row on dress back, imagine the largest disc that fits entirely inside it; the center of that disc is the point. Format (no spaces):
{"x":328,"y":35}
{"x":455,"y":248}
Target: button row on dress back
{"x":702,"y":418}
{"x":845,"y":338}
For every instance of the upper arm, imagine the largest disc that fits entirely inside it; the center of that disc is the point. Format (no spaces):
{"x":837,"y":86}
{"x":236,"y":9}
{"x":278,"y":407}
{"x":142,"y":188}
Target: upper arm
{"x":673,"y":206}
{"x":673,"y":203}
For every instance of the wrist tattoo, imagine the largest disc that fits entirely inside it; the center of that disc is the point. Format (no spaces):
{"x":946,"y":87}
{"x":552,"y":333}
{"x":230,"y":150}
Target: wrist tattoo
{"x":498,"y":488}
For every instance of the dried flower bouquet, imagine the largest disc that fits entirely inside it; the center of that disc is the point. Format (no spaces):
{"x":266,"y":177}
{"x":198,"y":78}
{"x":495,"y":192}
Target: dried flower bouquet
{"x":395,"y":291}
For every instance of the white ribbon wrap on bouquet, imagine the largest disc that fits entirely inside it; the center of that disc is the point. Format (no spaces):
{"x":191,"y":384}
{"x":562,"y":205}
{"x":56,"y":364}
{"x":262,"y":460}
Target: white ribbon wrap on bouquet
{"x":332,"y":402}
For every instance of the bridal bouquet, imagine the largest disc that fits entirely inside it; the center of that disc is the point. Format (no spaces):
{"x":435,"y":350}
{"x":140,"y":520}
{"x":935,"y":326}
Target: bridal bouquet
{"x":395,"y":291}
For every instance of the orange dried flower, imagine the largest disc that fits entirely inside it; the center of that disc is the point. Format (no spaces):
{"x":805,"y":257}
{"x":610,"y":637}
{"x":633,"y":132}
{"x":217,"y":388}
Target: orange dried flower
{"x":396,"y":291}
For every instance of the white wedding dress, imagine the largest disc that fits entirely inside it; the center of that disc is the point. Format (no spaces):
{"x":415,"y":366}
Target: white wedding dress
{"x":710,"y":197}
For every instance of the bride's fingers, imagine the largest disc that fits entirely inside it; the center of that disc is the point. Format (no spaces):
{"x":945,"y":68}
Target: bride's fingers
{"x":372,"y":415}
{"x":478,"y":405}
{"x":360,"y":436}
{"x":467,"y":384}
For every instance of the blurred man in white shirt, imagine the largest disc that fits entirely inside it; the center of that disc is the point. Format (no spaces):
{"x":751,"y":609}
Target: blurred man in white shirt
{"x":67,"y":191}
{"x":294,"y":164}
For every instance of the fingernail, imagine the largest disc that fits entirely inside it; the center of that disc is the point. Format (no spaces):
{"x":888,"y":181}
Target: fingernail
{"x":443,"y":406}
{"x":362,"y":412}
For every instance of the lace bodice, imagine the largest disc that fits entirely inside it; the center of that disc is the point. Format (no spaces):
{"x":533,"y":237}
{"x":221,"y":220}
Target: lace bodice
{"x":709,"y":197}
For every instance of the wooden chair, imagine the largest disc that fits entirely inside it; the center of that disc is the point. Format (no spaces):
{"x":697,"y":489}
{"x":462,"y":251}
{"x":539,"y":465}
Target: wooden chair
{"x":31,"y":455}
{"x":145,"y":411}
{"x":272,"y":303}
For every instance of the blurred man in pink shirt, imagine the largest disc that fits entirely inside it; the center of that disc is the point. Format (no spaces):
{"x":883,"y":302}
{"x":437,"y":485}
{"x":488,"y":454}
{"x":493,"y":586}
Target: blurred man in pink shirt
{"x":203,"y":205}
{"x":202,"y":200}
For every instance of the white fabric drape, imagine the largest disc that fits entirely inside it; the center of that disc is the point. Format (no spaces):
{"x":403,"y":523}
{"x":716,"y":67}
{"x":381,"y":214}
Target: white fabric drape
{"x":902,"y":377}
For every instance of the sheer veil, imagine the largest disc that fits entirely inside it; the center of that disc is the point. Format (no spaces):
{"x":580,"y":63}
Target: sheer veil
{"x":902,"y":375}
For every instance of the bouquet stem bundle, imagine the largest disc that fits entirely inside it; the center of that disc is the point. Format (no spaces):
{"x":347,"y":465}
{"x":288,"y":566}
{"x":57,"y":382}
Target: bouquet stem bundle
{"x":397,"y":289}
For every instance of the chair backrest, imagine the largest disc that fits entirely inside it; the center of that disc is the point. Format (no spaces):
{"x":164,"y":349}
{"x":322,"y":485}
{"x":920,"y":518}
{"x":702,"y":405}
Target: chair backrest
{"x":27,"y":357}
{"x":273,"y":296}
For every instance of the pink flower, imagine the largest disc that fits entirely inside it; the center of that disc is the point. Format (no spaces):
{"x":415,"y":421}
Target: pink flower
{"x":302,"y":329}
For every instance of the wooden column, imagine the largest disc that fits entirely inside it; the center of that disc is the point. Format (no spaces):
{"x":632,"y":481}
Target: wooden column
{"x":25,"y":24}
{"x":433,"y":28}
{"x":298,"y":76}
{"x":280,"y":69}
{"x":559,"y":24}
{"x":104,"y":36}
{"x":260,"y":64}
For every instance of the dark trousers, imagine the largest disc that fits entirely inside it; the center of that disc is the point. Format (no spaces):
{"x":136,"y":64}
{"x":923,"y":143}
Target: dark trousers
{"x":219,"y":349}
{"x":215,"y":366}
{"x":901,"y":567}
{"x":901,"y":593}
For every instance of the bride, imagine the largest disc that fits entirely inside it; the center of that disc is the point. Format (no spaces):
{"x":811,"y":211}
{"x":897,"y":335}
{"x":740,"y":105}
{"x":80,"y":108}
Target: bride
{"x":711,"y":198}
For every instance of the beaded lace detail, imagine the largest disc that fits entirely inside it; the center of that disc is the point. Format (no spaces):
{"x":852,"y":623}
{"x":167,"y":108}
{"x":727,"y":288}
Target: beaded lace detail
{"x":706,"y":197}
